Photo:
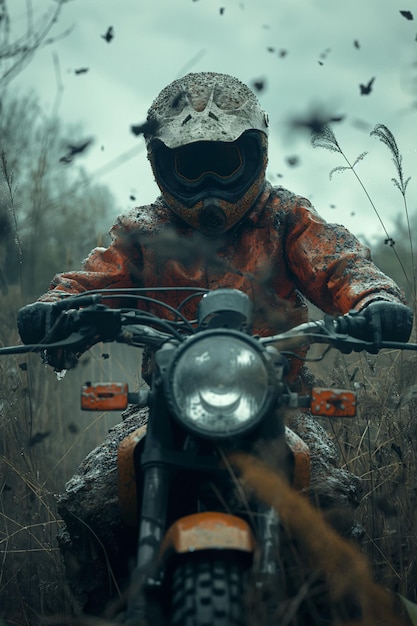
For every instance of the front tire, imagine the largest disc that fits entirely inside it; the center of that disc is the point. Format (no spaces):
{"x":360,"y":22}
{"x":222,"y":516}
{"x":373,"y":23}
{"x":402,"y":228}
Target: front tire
{"x":208,"y":590}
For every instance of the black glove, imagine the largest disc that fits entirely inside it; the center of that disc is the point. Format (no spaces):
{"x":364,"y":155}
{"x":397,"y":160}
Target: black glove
{"x":34,"y":320}
{"x":388,"y":321}
{"x":379,"y":321}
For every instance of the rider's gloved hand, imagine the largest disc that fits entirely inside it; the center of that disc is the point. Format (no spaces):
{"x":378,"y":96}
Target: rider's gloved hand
{"x":388,"y":321}
{"x":380,"y":321}
{"x":33,"y":321}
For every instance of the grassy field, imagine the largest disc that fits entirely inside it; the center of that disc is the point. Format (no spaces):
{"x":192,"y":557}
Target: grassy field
{"x":44,"y":436}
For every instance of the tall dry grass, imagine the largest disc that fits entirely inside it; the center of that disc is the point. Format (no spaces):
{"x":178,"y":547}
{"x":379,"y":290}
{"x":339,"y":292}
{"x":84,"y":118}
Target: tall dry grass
{"x":353,"y":596}
{"x":43,"y":438}
{"x":380,"y":445}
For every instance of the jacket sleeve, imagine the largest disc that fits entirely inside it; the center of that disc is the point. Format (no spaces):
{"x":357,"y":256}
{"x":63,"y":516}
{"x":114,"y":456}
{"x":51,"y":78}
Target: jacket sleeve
{"x":331,"y":267}
{"x":119,"y":265}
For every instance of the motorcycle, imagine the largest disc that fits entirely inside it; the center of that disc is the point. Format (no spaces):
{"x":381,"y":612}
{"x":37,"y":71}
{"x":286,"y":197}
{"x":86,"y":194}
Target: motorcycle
{"x":202,"y":543}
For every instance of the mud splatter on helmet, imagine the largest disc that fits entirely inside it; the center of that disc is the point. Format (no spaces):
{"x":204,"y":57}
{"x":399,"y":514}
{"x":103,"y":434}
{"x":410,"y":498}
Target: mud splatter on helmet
{"x":208,"y":149}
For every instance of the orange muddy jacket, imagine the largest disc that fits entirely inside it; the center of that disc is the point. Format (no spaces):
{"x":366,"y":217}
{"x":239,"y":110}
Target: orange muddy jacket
{"x":280,"y":254}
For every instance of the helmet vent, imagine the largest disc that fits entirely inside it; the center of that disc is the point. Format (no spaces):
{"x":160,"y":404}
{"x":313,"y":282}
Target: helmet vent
{"x":187,"y":119}
{"x":212,"y":219}
{"x":177,"y":100}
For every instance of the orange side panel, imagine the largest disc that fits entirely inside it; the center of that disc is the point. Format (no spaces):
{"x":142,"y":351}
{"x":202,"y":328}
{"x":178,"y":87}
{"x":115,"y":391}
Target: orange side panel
{"x":126,"y":478}
{"x":302,"y":464}
{"x":208,"y":530}
{"x":333,"y":402}
{"x":104,"y":396}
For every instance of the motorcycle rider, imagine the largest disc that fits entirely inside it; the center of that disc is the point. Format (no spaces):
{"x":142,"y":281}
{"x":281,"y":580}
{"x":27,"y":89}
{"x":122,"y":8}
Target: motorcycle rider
{"x":219,"y":223}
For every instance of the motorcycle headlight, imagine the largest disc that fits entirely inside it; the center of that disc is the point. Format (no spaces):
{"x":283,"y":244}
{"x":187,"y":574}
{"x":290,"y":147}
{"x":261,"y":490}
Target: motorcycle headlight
{"x":219,"y":385}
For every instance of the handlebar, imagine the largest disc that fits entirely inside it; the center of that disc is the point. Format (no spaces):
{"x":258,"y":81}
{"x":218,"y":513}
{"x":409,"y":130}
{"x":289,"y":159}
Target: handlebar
{"x":82,"y":320}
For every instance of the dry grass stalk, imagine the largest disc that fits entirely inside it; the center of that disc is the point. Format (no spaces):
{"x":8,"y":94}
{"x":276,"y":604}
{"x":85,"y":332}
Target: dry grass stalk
{"x":345,"y":568}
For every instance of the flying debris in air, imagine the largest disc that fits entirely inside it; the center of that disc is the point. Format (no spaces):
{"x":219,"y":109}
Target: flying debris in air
{"x":258,"y":85}
{"x":366,"y":89}
{"x":315,"y":121}
{"x":147,"y":128}
{"x":38,"y":437}
{"x":323,"y":55}
{"x":81,"y":70}
{"x":292,"y":161}
{"x":73,"y":150}
{"x":221,"y":10}
{"x":356,"y":44}
{"x":109,"y":34}
{"x":407,"y":14}
{"x":281,"y":53}
{"x":361,"y":125}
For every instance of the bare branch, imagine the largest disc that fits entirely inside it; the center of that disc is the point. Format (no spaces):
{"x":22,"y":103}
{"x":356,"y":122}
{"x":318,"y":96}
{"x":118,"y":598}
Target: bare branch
{"x":14,"y":55}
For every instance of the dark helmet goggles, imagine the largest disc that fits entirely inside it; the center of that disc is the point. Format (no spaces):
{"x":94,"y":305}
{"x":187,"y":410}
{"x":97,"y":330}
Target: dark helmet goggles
{"x":225,"y":170}
{"x":219,"y":161}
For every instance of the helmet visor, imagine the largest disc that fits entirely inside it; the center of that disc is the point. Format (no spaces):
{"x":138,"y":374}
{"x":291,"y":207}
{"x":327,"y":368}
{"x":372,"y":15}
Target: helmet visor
{"x":197,"y":161}
{"x":202,"y":169}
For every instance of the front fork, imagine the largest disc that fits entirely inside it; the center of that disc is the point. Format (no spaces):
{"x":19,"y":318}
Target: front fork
{"x":268,"y":540}
{"x":152,"y":524}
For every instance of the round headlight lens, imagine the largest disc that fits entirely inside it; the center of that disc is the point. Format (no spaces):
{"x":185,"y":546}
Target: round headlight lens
{"x":219,"y":385}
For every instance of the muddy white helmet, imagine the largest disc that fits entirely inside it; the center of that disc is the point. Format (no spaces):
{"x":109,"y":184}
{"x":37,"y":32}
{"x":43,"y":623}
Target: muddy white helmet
{"x":208,"y":149}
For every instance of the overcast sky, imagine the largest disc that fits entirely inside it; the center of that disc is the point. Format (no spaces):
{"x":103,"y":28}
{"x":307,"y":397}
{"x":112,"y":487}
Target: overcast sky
{"x":310,"y":55}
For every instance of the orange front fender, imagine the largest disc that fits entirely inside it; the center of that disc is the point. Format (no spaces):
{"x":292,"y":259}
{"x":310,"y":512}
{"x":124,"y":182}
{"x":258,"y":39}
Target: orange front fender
{"x":207,"y":531}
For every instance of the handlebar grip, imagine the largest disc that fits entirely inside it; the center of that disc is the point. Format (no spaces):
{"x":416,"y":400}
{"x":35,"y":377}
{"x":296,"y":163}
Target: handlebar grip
{"x":379,"y":321}
{"x":354,"y":324}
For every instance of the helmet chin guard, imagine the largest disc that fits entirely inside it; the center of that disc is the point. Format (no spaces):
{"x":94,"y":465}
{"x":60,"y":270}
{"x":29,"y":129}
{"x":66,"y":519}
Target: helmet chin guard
{"x":208,"y":151}
{"x":212,"y":218}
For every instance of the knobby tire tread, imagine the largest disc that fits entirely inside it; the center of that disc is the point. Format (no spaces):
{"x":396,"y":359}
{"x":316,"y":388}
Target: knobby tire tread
{"x":207,"y":592}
